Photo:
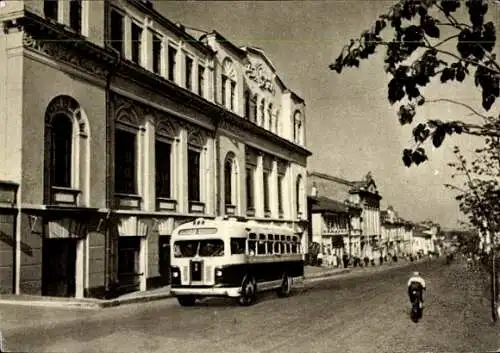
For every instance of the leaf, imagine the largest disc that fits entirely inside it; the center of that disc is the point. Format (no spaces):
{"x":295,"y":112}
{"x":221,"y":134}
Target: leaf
{"x":460,"y":74}
{"x":396,"y":92}
{"x":407,"y":157}
{"x":438,"y":136}
{"x":430,"y":28}
{"x":488,"y":101}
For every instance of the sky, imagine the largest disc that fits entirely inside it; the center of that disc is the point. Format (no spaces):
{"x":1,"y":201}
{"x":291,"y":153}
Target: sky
{"x":351,"y":127}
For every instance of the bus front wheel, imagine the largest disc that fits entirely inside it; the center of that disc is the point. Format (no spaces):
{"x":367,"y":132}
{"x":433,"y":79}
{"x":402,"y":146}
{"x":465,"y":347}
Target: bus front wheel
{"x":186,"y":300}
{"x":286,"y":286}
{"x":248,"y":292}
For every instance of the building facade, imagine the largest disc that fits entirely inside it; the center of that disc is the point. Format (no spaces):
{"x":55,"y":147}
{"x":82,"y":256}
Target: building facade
{"x":361,"y":201}
{"x":397,"y":234}
{"x":119,"y":126}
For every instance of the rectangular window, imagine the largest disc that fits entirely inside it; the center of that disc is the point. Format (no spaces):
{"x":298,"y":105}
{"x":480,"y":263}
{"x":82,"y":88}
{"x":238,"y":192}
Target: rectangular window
{"x":189,"y":73}
{"x":193,"y":175}
{"x":233,"y":95}
{"x":172,"y":53}
{"x":157,"y":46}
{"x":136,"y":43}
{"x":75,"y":15}
{"x":223,"y":88}
{"x":266,"y":192}
{"x":125,"y":162}
{"x":238,"y":246}
{"x":249,"y":187}
{"x":116,"y":23}
{"x":280,"y":194}
{"x":163,"y":173}
{"x":51,"y":9}
{"x":201,"y":81}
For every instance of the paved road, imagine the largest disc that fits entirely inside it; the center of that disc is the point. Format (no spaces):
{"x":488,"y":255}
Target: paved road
{"x":351,"y":313}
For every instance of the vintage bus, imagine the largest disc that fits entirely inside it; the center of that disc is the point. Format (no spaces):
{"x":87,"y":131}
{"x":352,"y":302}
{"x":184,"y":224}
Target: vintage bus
{"x":233,"y":258}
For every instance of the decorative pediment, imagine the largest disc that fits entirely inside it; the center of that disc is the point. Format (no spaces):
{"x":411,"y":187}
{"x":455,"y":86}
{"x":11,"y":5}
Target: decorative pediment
{"x":65,"y":105}
{"x":197,"y":137}
{"x":166,"y":127}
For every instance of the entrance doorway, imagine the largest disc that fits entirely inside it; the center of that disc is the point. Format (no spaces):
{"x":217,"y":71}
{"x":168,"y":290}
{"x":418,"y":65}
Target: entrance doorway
{"x":128,"y":264}
{"x":164,"y":259}
{"x":59,"y":267}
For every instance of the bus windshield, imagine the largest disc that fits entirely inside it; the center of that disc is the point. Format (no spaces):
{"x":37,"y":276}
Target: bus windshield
{"x":203,"y":248}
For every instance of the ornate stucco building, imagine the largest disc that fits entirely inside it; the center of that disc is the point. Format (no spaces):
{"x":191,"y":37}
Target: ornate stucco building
{"x":333,"y":200}
{"x":117,"y":126}
{"x":397,"y":234}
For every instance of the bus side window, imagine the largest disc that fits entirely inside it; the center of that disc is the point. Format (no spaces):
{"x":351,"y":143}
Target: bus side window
{"x":277,"y":245}
{"x":252,"y":244}
{"x":237,"y":246}
{"x":282,"y":246}
{"x":270,"y":243}
{"x":261,"y":247}
{"x":294,"y":245}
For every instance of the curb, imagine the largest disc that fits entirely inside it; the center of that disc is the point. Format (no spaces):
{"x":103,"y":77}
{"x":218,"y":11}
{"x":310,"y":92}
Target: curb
{"x":103,"y":304}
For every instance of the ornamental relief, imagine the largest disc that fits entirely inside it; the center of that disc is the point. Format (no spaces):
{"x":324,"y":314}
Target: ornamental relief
{"x":257,"y":74}
{"x":61,"y":51}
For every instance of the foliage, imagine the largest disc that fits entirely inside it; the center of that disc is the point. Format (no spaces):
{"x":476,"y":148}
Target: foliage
{"x":415,"y":57}
{"x":480,"y":195}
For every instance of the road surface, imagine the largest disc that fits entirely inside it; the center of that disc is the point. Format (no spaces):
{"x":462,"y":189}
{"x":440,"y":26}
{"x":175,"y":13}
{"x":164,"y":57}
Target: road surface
{"x":350,"y":313}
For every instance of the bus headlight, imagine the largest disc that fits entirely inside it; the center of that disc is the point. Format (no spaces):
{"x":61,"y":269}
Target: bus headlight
{"x":218,"y":273}
{"x":175,"y":274}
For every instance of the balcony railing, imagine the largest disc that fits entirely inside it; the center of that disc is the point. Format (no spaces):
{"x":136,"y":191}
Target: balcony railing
{"x":267,"y":213}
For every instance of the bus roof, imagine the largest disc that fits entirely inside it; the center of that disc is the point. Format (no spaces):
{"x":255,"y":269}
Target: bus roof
{"x":233,"y":223}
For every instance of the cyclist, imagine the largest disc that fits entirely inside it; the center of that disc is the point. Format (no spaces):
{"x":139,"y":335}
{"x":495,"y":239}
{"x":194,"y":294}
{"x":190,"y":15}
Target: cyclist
{"x":416,"y":283}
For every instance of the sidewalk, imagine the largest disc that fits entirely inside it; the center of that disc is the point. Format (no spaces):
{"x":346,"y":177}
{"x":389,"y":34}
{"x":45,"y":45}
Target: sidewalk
{"x":310,"y":274}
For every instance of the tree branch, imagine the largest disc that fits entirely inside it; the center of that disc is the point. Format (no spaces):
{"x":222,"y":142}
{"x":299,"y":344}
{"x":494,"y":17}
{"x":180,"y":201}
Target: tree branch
{"x":475,"y":112}
{"x":445,"y":40}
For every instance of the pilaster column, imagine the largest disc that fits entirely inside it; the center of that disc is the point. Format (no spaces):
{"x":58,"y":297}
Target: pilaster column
{"x":149,"y":173}
{"x":273,"y":190}
{"x":182,"y":173}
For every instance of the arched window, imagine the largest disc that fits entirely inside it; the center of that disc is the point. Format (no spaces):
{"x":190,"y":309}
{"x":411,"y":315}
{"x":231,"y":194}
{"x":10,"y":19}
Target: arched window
{"x":66,"y":161}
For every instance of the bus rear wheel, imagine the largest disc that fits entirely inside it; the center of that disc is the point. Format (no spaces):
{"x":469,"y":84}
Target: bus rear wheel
{"x":186,"y":300}
{"x":286,"y":286}
{"x":248,"y":292}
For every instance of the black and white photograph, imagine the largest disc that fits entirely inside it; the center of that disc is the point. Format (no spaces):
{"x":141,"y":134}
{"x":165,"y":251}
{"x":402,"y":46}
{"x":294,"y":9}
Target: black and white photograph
{"x":313,"y":176}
